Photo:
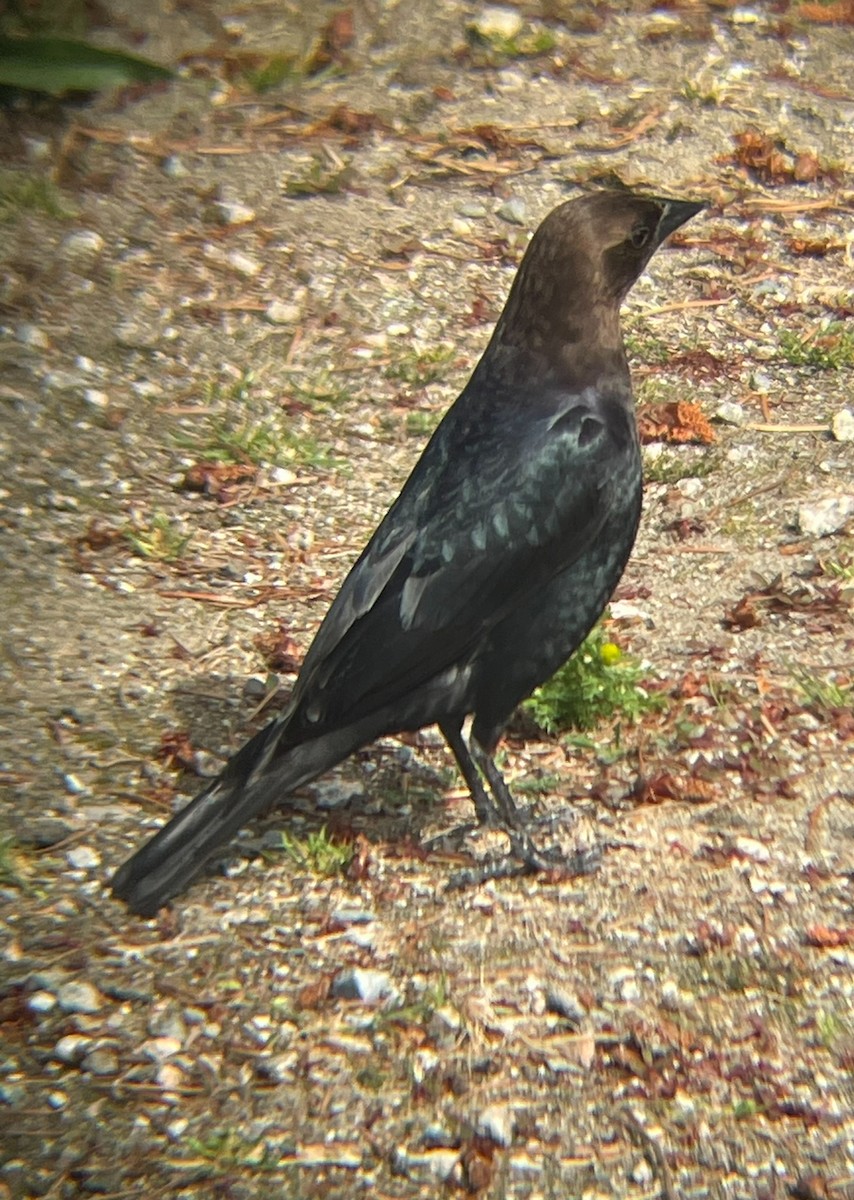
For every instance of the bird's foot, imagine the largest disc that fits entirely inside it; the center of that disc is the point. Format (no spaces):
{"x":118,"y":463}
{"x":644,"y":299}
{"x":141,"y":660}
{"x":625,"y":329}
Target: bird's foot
{"x":526,"y":859}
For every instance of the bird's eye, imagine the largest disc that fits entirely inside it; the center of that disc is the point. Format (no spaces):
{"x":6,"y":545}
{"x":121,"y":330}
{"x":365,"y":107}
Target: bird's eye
{"x":639,"y":236}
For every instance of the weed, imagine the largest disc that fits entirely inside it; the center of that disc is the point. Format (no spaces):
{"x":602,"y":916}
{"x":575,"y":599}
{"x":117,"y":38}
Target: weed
{"x":744,"y":1109}
{"x":824,"y":694}
{"x":278,"y":69}
{"x":672,"y":465}
{"x":654,"y":390}
{"x":226,"y":1148}
{"x":30,"y":193}
{"x":537,"y":785}
{"x":421,"y":367}
{"x":597,"y":683}
{"x":320,"y":394}
{"x":162,"y":541}
{"x":10,"y":875}
{"x":419,"y":1012}
{"x":495,"y":49}
{"x":830,"y":350}
{"x":421,"y":423}
{"x":231,"y":436}
{"x":317,"y":852}
{"x":646,"y":348}
{"x":841,"y":568}
{"x":830,"y":1029}
{"x":320,"y":180}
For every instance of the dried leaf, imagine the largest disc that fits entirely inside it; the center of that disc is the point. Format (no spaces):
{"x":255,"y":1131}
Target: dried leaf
{"x":218,"y":479}
{"x":99,"y":535}
{"x":337,"y":37}
{"x":279,"y":650}
{"x":825,"y":938}
{"x":742,"y":615}
{"x":313,"y":995}
{"x":772,"y":162}
{"x":176,"y":751}
{"x":828,"y":14}
{"x":674,"y":421}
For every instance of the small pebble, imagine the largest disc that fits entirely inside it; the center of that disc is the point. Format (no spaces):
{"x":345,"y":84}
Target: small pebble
{"x":71,"y":1048}
{"x":78,"y":996}
{"x":102,"y":1060}
{"x":473,"y":209}
{"x":83,"y":858}
{"x":670,"y":995}
{"x":232,"y":212}
{"x":843,"y":425}
{"x":41,"y":1002}
{"x":244,"y":263}
{"x":495,"y":21}
{"x":432,"y":1166}
{"x":444,"y":1025}
{"x":137,"y":335}
{"x":565,"y":1004}
{"x":160,"y":1048}
{"x":752,"y":849}
{"x":30,"y":335}
{"x":514,"y":211}
{"x":730,"y":413}
{"x":170,"y":1076}
{"x":174,"y":167}
{"x":360,"y":983}
{"x":496,"y":1123}
{"x":283,"y":476}
{"x":825,"y":516}
{"x":625,"y":984}
{"x":641,"y":1173}
{"x":279,"y":312}
{"x":85,"y":241}
{"x":334,"y":793}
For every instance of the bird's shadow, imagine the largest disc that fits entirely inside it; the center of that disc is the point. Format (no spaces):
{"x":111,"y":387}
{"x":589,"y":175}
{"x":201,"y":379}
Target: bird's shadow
{"x":386,"y":792}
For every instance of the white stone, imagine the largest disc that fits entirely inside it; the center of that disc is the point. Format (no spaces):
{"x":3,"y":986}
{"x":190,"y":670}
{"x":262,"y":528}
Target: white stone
{"x":827,"y":515}
{"x":495,"y":21}
{"x":496,"y":1123}
{"x":79,"y":996}
{"x":843,"y":425}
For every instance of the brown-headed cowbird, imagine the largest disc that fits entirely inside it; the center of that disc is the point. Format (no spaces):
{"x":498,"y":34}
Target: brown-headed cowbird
{"x":493,"y":563}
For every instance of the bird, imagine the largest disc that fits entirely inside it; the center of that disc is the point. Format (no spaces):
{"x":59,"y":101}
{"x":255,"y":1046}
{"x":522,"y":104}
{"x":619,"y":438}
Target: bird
{"x":492,"y":565}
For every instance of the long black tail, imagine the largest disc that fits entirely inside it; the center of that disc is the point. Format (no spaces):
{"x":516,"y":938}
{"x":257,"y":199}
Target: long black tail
{"x":258,"y":777}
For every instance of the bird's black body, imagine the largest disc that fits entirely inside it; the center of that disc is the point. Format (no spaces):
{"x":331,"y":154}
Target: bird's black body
{"x":494,"y":562}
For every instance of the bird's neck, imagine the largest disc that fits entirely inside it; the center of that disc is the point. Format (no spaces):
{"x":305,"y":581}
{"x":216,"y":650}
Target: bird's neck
{"x":555,"y":345}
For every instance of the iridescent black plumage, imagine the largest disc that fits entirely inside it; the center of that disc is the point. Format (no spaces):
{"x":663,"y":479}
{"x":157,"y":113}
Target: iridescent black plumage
{"x":494,"y":562}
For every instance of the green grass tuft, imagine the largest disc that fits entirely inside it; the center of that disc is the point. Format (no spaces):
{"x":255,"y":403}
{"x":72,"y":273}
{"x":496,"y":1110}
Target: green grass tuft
{"x":598,"y":683}
{"x":164,"y":540}
{"x":830,"y":350}
{"x":20,"y":193}
{"x":317,"y":852}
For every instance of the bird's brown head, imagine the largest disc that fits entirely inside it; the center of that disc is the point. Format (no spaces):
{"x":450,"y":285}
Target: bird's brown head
{"x":581,"y":262}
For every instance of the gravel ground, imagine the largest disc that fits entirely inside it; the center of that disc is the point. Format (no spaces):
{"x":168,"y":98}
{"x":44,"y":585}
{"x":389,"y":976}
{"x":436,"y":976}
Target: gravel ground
{"x":300,"y":279}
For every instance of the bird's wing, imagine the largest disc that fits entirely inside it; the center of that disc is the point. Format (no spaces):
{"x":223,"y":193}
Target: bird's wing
{"x":492,"y":511}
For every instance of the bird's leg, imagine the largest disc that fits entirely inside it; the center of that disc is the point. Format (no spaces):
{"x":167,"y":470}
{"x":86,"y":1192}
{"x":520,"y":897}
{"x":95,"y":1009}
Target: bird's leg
{"x":486,"y":811}
{"x":521,"y":842}
{"x":497,"y":785}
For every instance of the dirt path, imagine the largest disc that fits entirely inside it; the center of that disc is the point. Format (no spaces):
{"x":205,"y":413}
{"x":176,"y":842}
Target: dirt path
{"x":298,"y":281}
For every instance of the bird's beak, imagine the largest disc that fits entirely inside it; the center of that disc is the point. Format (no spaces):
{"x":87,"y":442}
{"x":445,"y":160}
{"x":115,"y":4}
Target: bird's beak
{"x":674,"y":214}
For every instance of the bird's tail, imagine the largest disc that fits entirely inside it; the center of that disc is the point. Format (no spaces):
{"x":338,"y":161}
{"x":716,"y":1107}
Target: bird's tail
{"x":258,"y":777}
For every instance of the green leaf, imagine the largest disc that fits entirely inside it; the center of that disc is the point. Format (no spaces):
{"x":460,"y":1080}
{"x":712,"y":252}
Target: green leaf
{"x":58,"y":66}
